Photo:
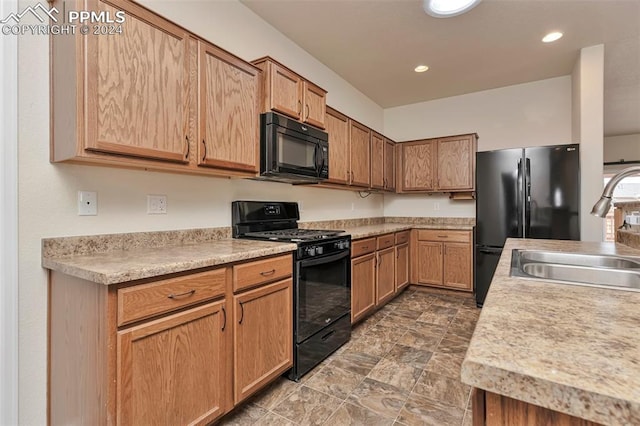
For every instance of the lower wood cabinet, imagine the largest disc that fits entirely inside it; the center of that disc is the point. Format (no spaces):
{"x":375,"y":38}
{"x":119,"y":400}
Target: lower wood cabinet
{"x":490,"y":409}
{"x":443,"y":258}
{"x":402,"y":266}
{"x":178,"y":350}
{"x":263,"y":336}
{"x":385,"y":275}
{"x":172,"y":370}
{"x":363,"y":286}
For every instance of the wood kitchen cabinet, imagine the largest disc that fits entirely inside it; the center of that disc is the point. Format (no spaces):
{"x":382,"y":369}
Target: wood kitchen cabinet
{"x":288,"y":93}
{"x":229,"y":111}
{"x":377,"y":161}
{"x":155,"y":97}
{"x":442,"y":258}
{"x":263,"y":336}
{"x":402,"y":259}
{"x":389,"y":165}
{"x":438,"y":165}
{"x":491,"y":409}
{"x":385,"y":268}
{"x":359,"y":155}
{"x":181,"y":349}
{"x":172,"y":370}
{"x":363,"y":278}
{"x":338,"y":130}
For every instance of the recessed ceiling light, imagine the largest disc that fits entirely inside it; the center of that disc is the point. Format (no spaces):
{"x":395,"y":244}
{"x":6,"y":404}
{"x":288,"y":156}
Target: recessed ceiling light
{"x":421,"y":68}
{"x":448,"y":8}
{"x":552,"y":37}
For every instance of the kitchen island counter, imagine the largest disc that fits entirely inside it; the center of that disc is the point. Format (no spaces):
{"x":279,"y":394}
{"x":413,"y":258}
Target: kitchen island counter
{"x":567,"y":348}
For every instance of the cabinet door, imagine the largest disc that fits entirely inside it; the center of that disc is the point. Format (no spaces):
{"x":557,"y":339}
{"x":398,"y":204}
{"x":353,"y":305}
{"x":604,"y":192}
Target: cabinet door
{"x":338,"y":129}
{"x":315,"y":102}
{"x":456,"y":156}
{"x":418,"y":166}
{"x":402,"y":266}
{"x":263,"y":336}
{"x":363,"y":286}
{"x":229,"y":132}
{"x":377,"y":161}
{"x":172,"y":370}
{"x":389,"y":165}
{"x":359,"y":158}
{"x":385,"y":275}
{"x":429,"y":262}
{"x":285,"y":91}
{"x":458,"y":266}
{"x":138,"y":92}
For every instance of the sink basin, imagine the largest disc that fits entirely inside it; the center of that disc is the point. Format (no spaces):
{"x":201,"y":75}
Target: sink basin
{"x":605,"y":271}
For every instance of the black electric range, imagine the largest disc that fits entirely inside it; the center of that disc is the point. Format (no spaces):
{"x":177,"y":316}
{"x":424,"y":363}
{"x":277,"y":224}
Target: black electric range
{"x":321,"y":277}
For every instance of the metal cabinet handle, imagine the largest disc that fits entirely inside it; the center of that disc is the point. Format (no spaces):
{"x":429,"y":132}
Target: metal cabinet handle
{"x":204,"y":157}
{"x":185,"y":294}
{"x":307,"y":107}
{"x":379,"y":260}
{"x":267,"y":273}
{"x":241,"y":312}
{"x":186,"y":156}
{"x":224,"y":324}
{"x":299,"y":106}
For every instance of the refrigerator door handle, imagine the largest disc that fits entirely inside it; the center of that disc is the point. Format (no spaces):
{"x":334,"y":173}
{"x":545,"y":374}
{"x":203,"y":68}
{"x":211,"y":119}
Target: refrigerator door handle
{"x":527,"y":200}
{"x":520,"y":201}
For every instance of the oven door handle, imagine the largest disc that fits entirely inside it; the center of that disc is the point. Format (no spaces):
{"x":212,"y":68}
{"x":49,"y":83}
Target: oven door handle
{"x":324,"y":259}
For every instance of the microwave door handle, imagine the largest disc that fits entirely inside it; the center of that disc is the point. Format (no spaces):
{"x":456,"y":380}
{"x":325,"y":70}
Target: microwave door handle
{"x":315,"y":158}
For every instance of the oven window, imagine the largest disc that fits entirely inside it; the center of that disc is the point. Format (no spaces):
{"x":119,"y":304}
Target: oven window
{"x":324,"y":295}
{"x":296,"y":152}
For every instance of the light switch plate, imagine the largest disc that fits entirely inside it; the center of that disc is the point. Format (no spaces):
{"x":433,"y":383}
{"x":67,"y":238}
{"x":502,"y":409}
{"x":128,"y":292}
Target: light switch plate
{"x":156,"y":204}
{"x":87,"y":203}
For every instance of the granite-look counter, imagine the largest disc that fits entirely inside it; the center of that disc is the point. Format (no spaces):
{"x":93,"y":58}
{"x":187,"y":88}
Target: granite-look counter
{"x":358,"y":232}
{"x":568,"y":348}
{"x":117,"y":266}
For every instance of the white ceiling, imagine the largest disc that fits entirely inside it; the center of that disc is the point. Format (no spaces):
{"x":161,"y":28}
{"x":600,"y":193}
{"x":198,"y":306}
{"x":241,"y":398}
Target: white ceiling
{"x":375,"y":44}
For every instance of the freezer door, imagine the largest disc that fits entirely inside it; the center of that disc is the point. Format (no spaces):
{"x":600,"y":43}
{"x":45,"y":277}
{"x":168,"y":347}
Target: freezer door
{"x":498,"y":216}
{"x":486,"y":262}
{"x":553,"y":192}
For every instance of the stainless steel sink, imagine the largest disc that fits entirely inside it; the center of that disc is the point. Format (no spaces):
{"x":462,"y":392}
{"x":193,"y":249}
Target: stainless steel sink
{"x":571,"y":268}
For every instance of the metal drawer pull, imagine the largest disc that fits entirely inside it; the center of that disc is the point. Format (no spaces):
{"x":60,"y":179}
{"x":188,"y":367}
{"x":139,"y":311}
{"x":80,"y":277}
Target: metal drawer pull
{"x":185,"y":294}
{"x":267,"y":273}
{"x":365,"y":247}
{"x":443,"y":236}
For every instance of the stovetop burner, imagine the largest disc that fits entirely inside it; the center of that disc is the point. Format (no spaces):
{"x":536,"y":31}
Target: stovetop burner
{"x":294,"y":234}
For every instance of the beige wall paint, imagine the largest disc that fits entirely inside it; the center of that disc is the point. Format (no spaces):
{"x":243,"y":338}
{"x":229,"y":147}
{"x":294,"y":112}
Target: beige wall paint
{"x":625,"y":147}
{"x":47,"y":193}
{"x":531,"y":114}
{"x":589,"y":73}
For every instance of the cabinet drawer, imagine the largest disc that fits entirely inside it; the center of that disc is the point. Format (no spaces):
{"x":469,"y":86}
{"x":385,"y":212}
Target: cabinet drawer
{"x":251,"y":274}
{"x":360,"y":247}
{"x":444,"y":235}
{"x":385,"y":241}
{"x":402,"y":237}
{"x":147,"y":300}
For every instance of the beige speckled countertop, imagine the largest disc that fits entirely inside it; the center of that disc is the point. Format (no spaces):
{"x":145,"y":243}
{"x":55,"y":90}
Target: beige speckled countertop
{"x":569,"y":348}
{"x":127,"y":265}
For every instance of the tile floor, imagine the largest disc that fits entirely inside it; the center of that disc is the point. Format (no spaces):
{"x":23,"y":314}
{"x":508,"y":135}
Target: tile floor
{"x":401,"y":367}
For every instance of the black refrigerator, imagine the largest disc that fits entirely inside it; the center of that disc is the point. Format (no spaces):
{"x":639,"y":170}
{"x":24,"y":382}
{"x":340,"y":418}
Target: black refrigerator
{"x":523,"y":193}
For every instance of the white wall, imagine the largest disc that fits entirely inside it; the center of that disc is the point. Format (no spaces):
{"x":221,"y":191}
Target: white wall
{"x":531,"y":114}
{"x":625,"y":147}
{"x":589,"y":73}
{"x":47,"y":193}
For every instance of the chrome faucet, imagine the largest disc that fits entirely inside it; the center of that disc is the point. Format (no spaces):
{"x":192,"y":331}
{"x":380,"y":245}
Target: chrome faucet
{"x":602,"y":206}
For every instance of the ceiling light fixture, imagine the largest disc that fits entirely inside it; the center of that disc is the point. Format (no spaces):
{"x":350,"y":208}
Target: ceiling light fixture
{"x":421,"y":68}
{"x":552,"y":37}
{"x":448,"y":8}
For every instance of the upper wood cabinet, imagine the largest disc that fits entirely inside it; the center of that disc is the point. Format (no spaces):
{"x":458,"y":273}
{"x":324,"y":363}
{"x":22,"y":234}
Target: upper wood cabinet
{"x":338,"y":130}
{"x":229,"y":111}
{"x":389,"y":165}
{"x":438,"y":165}
{"x":288,"y":93}
{"x":155,"y":97}
{"x":377,"y":161}
{"x":359,"y":155}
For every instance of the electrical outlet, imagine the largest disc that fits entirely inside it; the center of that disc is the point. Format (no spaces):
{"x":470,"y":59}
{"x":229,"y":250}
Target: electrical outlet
{"x":87,"y":203}
{"x":156,"y":204}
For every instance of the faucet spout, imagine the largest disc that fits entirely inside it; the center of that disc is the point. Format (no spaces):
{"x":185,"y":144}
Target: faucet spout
{"x":602,"y":206}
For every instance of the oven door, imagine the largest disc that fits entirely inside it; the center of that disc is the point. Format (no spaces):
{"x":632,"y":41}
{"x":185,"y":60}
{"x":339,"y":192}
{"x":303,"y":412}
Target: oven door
{"x":322,"y":293}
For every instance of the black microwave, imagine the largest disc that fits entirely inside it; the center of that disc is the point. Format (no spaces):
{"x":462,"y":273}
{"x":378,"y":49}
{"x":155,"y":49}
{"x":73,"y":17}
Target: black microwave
{"x":291,"y":151}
